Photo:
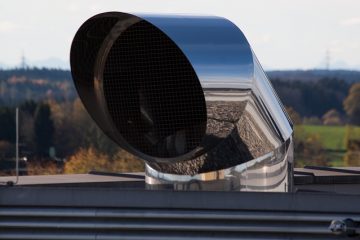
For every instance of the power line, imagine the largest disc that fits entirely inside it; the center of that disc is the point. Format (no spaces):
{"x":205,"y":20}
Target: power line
{"x":327,"y":60}
{"x":23,"y":64}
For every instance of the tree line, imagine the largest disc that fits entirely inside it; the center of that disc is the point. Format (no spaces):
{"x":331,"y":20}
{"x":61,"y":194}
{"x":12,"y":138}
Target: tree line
{"x":57,"y":134}
{"x":322,"y":101}
{"x":60,"y":136}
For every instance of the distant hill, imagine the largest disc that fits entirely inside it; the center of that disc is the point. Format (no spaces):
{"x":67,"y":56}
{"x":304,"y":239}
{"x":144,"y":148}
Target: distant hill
{"x":51,"y":63}
{"x":349,"y":76}
{"x":34,"y":73}
{"x":19,"y":85}
{"x":313,"y":92}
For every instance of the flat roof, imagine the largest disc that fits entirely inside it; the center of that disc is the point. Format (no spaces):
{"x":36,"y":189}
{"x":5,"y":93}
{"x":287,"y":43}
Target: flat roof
{"x":321,"y":179}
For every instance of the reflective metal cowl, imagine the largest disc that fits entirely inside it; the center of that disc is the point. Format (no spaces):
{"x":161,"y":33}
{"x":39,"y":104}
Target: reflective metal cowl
{"x":187,"y":95}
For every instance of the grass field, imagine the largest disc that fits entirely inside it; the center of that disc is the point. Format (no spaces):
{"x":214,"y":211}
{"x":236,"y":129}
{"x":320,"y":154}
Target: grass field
{"x":333,"y":139}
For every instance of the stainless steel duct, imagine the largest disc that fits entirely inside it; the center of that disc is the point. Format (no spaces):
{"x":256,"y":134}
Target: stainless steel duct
{"x":188,"y":96}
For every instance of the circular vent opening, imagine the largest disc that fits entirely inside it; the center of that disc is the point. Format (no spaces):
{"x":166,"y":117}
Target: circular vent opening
{"x":153,"y":94}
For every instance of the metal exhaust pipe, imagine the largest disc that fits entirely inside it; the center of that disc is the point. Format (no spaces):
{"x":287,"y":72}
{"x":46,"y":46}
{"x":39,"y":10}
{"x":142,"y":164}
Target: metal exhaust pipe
{"x":187,"y":95}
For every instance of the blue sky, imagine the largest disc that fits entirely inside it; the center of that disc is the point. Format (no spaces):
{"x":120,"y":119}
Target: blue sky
{"x":284,"y":34}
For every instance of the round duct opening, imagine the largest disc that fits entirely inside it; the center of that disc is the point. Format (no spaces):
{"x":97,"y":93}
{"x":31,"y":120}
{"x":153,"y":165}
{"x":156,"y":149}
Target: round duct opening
{"x":152,"y":93}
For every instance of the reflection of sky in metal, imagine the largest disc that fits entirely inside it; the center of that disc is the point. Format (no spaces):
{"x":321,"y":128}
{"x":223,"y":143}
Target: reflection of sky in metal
{"x":216,"y":48}
{"x":268,"y":97}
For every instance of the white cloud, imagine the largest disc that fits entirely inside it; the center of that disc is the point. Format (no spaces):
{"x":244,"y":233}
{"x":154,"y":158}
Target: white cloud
{"x":351,"y":21}
{"x":6,"y":26}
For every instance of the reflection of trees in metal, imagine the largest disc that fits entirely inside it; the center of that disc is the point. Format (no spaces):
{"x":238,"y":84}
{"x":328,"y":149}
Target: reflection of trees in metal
{"x":225,"y":111}
{"x":232,"y":137}
{"x":253,"y":136}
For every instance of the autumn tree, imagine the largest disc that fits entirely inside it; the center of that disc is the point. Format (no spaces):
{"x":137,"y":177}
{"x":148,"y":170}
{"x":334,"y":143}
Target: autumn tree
{"x":294,"y":116}
{"x":66,"y":136}
{"x":352,"y":104}
{"x":308,"y":149}
{"x":332,"y":117}
{"x":90,"y":159}
{"x":126,"y":162}
{"x":74,"y":128}
{"x":43,"y":168}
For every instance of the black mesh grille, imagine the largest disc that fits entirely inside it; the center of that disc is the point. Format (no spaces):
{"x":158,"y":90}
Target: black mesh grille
{"x":87,"y":43}
{"x":153,"y":94}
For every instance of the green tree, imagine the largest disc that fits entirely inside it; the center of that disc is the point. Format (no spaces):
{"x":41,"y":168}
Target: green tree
{"x":28,"y":107}
{"x":26,"y":125}
{"x":351,"y":104}
{"x":6,"y":150}
{"x":7,"y":124}
{"x":43,"y":129}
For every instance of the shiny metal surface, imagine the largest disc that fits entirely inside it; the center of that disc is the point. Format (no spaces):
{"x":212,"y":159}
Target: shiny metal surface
{"x":232,"y":135}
